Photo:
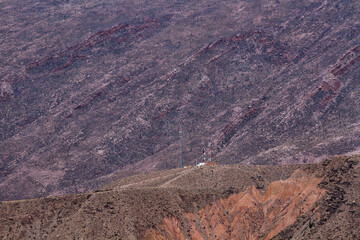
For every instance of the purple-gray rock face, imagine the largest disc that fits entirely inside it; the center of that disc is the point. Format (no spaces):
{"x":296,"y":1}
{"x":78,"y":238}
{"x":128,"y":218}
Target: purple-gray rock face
{"x":95,"y":90}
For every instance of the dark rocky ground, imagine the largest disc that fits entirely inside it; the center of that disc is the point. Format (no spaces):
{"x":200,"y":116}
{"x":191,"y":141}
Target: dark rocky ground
{"x":96,"y":90}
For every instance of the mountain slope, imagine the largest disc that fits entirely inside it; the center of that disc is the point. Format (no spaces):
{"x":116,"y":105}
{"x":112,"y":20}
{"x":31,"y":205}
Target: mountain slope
{"x":92,"y":91}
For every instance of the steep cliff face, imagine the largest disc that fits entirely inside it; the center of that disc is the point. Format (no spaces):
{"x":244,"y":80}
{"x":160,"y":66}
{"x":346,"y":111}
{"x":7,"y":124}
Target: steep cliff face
{"x":251,"y":214}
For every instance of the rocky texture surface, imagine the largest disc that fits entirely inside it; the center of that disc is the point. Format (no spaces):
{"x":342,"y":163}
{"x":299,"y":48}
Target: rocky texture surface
{"x":91,"y":91}
{"x":319,"y":201}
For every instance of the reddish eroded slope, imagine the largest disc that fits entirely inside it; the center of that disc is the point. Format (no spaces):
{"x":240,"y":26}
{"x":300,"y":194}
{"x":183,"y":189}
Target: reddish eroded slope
{"x":251,"y":214}
{"x":126,"y":208}
{"x":318,"y":201}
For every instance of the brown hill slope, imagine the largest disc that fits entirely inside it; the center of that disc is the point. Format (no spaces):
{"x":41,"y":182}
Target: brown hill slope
{"x":88,"y":88}
{"x":245,"y":202}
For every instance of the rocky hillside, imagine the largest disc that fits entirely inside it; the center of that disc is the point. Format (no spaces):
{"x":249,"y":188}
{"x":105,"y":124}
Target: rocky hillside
{"x":93,"y":90}
{"x":316,"y":201}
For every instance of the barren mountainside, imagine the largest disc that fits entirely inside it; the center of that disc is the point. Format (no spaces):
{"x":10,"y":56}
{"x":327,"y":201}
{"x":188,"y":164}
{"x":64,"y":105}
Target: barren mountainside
{"x":94,"y":90}
{"x":314,"y":201}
